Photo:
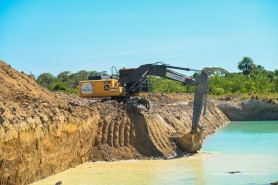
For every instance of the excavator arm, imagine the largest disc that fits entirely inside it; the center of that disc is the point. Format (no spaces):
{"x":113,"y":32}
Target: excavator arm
{"x":192,"y":141}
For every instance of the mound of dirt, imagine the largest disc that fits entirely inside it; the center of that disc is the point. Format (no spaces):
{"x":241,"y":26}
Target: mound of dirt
{"x":43,"y":133}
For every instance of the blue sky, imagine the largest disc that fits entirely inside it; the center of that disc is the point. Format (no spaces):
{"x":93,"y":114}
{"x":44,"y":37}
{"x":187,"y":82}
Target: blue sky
{"x":68,"y":35}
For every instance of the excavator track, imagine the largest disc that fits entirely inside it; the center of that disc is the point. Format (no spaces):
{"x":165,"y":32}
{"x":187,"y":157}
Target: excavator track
{"x":135,"y":102}
{"x":138,"y":102}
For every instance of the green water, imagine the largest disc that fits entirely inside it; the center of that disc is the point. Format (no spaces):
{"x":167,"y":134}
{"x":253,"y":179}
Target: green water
{"x":248,"y":147}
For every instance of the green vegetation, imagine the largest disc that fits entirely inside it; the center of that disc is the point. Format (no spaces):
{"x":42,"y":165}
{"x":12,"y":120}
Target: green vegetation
{"x":254,"y":81}
{"x":65,"y":81}
{"x":167,"y":86}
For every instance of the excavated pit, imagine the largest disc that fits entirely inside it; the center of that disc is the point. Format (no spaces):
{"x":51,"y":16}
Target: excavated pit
{"x":43,"y":133}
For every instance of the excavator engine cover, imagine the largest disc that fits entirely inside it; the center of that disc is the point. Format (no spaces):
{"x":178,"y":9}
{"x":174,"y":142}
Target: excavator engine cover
{"x":190,"y":142}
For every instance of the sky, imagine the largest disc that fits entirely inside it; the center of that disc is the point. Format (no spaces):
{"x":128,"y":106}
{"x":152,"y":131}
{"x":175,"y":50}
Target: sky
{"x":67,"y":35}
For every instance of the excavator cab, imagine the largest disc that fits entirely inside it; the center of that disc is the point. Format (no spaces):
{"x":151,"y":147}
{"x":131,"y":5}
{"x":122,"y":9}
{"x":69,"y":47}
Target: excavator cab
{"x":140,"y":88}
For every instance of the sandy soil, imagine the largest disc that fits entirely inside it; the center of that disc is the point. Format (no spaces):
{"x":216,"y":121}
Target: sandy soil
{"x":43,"y":133}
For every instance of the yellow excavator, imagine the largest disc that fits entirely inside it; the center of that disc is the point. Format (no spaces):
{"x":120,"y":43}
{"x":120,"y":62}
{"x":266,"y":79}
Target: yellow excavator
{"x":132,"y":81}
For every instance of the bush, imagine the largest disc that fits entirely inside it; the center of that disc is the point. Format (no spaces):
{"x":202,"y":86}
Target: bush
{"x":218,"y":91}
{"x":58,"y":86}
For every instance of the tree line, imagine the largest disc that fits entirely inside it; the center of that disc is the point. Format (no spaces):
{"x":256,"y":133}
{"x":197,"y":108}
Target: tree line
{"x":65,"y":81}
{"x":252,"y":78}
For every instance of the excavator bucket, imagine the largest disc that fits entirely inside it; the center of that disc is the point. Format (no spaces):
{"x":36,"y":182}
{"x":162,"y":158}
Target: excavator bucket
{"x":190,"y":142}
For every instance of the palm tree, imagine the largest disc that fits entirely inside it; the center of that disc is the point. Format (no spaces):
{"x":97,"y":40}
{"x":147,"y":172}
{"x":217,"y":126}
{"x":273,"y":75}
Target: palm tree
{"x":246,"y":65}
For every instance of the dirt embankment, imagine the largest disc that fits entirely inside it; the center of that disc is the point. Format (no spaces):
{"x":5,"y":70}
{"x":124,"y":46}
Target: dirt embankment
{"x":42,"y":133}
{"x":250,"y":110}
